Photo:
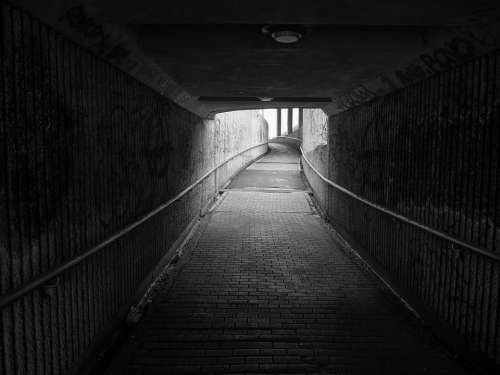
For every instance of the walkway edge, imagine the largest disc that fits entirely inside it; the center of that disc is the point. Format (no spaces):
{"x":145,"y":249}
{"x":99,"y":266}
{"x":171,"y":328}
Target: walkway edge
{"x":415,"y":312}
{"x":164,"y":280}
{"x":98,"y":356}
{"x":350,"y":251}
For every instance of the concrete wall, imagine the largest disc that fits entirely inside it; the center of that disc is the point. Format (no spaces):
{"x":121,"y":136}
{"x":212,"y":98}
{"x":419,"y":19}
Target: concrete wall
{"x":86,"y":150}
{"x":428,"y":153}
{"x":236,"y":138}
{"x":316,"y":149}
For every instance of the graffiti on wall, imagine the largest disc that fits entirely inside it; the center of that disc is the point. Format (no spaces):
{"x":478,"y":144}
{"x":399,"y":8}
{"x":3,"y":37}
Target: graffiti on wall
{"x":100,"y":40}
{"x":86,"y":148}
{"x":117,"y":45}
{"x":450,"y":145}
{"x":479,"y":36}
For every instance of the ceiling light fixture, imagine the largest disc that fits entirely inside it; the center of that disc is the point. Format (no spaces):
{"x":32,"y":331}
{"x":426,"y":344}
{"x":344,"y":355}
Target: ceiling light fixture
{"x":265,"y":99}
{"x":286,"y":34}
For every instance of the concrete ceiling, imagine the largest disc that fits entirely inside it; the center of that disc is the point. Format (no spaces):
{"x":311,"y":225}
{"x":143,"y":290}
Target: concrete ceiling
{"x":217,"y":54}
{"x":238,"y":61}
{"x":317,"y":12}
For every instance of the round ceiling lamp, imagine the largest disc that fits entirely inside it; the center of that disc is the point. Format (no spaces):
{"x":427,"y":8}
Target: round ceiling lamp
{"x":285,"y":34}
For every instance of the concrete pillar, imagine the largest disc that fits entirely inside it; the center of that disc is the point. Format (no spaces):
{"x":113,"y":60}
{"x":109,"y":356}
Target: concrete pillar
{"x":278,"y":121}
{"x":290,"y":119}
{"x":301,"y":122}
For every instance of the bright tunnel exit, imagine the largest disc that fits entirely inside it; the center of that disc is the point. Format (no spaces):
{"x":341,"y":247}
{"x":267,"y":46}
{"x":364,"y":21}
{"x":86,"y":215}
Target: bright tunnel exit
{"x":271,"y":116}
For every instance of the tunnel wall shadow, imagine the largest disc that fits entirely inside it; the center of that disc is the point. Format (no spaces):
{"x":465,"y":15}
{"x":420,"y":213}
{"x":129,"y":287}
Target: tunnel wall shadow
{"x":86,"y":151}
{"x":429,"y":152}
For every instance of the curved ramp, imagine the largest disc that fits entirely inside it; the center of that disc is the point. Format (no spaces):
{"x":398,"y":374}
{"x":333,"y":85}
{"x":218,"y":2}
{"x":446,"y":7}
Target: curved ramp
{"x":278,"y":169}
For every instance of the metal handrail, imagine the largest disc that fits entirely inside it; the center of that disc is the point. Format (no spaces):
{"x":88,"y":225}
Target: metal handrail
{"x":44,"y":278}
{"x":402,"y":218}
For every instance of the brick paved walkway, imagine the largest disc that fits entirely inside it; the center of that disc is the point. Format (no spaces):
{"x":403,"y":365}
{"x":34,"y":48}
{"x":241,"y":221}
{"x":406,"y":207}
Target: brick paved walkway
{"x":267,"y":290}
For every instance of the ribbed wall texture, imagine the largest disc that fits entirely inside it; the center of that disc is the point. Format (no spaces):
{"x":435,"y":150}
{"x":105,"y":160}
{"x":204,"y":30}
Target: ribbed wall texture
{"x":429,"y":152}
{"x":85,"y":151}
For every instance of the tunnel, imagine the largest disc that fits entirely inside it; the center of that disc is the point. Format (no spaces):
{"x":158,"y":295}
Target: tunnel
{"x":249,"y":187}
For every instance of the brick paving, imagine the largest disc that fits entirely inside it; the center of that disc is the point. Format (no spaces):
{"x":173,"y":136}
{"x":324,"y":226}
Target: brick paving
{"x":266,"y":290}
